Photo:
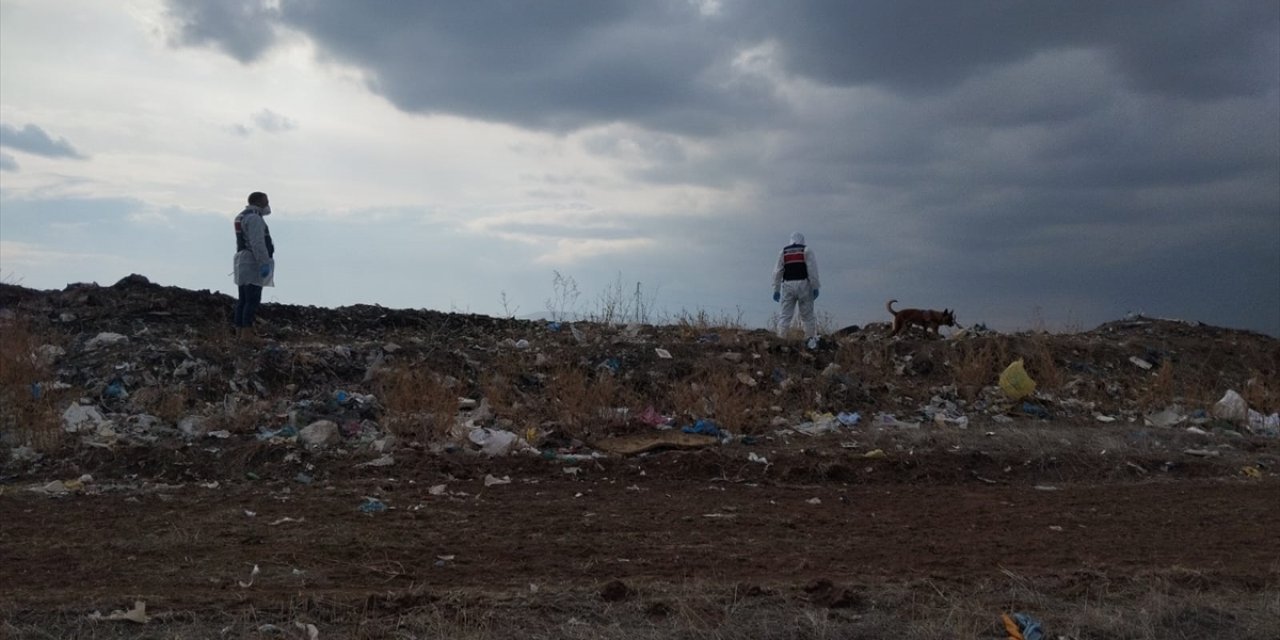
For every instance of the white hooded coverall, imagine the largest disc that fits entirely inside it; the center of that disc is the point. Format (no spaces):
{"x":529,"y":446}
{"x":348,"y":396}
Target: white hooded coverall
{"x":796,"y":277}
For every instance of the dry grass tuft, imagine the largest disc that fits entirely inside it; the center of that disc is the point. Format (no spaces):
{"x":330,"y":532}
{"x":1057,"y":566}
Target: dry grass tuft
{"x":31,"y":414}
{"x":978,"y":365}
{"x":417,"y":401}
{"x":1160,"y":390}
{"x":1041,"y":365}
{"x":1262,"y":392}
{"x":584,"y":399}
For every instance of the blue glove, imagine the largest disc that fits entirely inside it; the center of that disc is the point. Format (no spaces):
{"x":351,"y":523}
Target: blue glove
{"x":264,"y":271}
{"x":815,"y":294}
{"x":776,"y":296}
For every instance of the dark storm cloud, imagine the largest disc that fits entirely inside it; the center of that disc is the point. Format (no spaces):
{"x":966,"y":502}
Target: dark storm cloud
{"x":33,"y":139}
{"x":560,"y":64}
{"x":565,"y":64}
{"x":1187,"y":48}
{"x":991,"y":154}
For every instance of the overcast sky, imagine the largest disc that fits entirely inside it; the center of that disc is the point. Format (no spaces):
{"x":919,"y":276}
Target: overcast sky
{"x":1049,"y":163}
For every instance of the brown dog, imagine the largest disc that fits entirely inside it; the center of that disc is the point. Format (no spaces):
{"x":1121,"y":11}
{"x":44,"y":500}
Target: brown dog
{"x":928,"y":318}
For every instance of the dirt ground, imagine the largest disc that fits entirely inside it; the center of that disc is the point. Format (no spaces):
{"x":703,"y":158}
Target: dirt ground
{"x":189,"y":551}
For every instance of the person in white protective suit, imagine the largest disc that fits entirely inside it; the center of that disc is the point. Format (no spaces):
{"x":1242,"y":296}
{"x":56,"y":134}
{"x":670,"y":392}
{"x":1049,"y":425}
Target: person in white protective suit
{"x":795,"y":283}
{"x":254,"y":262}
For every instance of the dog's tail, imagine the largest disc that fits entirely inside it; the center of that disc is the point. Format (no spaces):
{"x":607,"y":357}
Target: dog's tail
{"x":889,"y":305}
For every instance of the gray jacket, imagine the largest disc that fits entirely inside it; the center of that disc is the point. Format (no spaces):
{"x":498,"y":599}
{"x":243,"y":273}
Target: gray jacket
{"x":253,"y":248}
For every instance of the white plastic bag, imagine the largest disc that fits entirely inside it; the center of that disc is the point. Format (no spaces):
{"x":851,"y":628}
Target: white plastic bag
{"x":1231,"y":407}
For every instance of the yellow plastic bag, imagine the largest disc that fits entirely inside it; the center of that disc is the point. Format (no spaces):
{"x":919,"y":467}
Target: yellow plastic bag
{"x":1015,"y":382}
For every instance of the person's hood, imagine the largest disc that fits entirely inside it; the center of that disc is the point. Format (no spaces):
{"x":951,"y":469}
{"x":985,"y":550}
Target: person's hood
{"x":797,"y":238}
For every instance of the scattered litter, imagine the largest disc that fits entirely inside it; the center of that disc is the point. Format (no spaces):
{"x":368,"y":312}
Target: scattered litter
{"x":372,"y":505}
{"x":285,"y":432}
{"x":1034,"y":410}
{"x":1166,"y":418}
{"x":703,"y":427}
{"x":888,"y":420}
{"x":320,"y":434}
{"x":250,"y":514}
{"x":1143,"y":364}
{"x":82,"y":418}
{"x":745,"y":378}
{"x":310,"y":629}
{"x":814,"y":501}
{"x":285,"y":520}
{"x":1197,"y":431}
{"x":818,"y":423}
{"x":384,"y":461}
{"x":1021,"y":626}
{"x":252,"y":575}
{"x":1104,"y":418}
{"x":1264,"y":425}
{"x":848,"y":419}
{"x":1202,"y":453}
{"x":437,"y":490}
{"x":1015,"y":382}
{"x":491,"y":480}
{"x":875,"y":454}
{"x":1252,"y":472}
{"x":652,"y":417}
{"x":752,"y":457}
{"x":104,"y":339}
{"x":496,"y":442}
{"x":662,"y":353}
{"x":137,"y":614}
{"x":1046,"y":487}
{"x":221,"y":434}
{"x":1231,"y":407}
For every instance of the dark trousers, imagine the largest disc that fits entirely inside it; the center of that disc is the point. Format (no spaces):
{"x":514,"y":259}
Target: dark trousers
{"x":247,"y":305}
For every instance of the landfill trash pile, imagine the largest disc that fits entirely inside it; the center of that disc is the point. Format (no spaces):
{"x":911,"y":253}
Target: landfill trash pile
{"x":368,"y":471}
{"x":137,"y":366}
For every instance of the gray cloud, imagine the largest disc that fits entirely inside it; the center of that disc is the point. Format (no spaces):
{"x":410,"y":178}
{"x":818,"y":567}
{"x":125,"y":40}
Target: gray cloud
{"x":266,"y":121}
{"x":985,"y":155}
{"x":272,"y":122}
{"x":8,"y":162}
{"x":33,"y":139}
{"x":243,"y":29}
{"x":557,"y":65}
{"x":665,"y":65}
{"x":1184,"y":48}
